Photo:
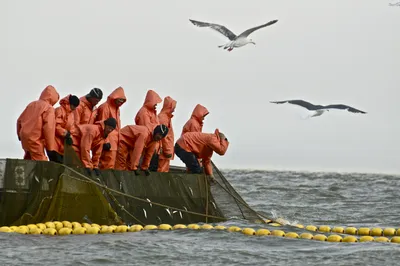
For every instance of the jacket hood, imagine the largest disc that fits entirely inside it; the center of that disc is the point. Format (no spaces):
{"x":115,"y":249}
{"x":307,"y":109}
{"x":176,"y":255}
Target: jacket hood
{"x":151,"y":99}
{"x":64,"y":102}
{"x":168,"y":106}
{"x":85,"y":101}
{"x":199,"y":111}
{"x":216,"y":132}
{"x":102,"y":126}
{"x":118,"y":93}
{"x":50,"y":95}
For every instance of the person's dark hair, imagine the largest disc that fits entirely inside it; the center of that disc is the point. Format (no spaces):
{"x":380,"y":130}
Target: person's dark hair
{"x":74,"y":100}
{"x":95,"y":93}
{"x":162,"y":129}
{"x":111,"y":122}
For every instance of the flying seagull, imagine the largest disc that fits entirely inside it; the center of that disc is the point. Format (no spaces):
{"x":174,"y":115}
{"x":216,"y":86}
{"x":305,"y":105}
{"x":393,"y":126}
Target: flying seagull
{"x":234,"y":41}
{"x":320,"y":109}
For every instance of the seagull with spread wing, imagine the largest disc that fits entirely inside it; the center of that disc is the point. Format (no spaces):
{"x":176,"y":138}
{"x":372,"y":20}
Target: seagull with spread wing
{"x":320,"y":109}
{"x":234,"y":41}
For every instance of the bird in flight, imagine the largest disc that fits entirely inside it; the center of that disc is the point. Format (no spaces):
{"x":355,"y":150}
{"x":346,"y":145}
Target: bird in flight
{"x":234,"y":41}
{"x":320,"y":109}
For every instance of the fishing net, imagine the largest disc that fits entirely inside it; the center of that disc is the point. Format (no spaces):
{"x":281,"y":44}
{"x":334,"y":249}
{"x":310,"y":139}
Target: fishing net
{"x":40,"y":191}
{"x":230,"y":202}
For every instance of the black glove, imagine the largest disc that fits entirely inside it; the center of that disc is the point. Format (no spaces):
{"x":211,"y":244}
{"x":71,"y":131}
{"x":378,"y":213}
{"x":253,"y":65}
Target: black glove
{"x":88,"y":171}
{"x":52,"y":155}
{"x":146,"y":172}
{"x":106,"y":146}
{"x":136,"y":172}
{"x":68,"y":141}
{"x":96,"y":171}
{"x":68,"y":138}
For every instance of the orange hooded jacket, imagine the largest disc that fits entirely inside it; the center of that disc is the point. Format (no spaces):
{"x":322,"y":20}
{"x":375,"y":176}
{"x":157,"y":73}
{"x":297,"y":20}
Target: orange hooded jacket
{"x":133,"y":140}
{"x":36,"y":125}
{"x":147,"y":115}
{"x":84,"y":113}
{"x":203,"y":145}
{"x":64,"y":123}
{"x":109,"y":109}
{"x":90,"y":138}
{"x":165,"y":118}
{"x":195,"y":123}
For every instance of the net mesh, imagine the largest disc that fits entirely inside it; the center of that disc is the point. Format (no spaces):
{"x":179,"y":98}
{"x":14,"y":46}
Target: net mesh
{"x":230,"y":202}
{"x":39,"y":191}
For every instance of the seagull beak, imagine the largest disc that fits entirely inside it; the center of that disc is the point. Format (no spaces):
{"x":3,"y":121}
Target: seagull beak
{"x":253,"y":43}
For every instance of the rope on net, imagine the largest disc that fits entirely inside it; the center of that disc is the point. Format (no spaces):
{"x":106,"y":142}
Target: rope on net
{"x":139,"y":199}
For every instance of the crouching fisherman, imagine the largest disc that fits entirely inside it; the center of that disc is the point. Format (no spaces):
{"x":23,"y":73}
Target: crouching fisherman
{"x":90,"y":138}
{"x":192,"y":146}
{"x":134,"y":140}
{"x":111,"y":108}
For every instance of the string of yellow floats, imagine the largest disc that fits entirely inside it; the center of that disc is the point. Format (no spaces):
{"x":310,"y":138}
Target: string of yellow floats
{"x":352,"y":234}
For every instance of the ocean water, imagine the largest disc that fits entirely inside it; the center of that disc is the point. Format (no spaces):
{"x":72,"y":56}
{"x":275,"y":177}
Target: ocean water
{"x":360,"y":200}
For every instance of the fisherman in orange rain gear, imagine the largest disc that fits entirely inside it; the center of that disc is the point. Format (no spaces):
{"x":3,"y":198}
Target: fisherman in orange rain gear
{"x":85,"y":112}
{"x":91,"y":138}
{"x":36,"y":126}
{"x":64,"y":125}
{"x":106,"y":110}
{"x":133,"y":141}
{"x":161,"y":162}
{"x":195,"y":123}
{"x":147,"y":116}
{"x":192,"y":146}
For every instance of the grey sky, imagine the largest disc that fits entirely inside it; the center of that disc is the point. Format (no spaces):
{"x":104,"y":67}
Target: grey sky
{"x":321,"y":51}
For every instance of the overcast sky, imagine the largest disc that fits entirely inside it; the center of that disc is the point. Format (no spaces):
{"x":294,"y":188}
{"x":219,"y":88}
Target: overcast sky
{"x":321,"y":51}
